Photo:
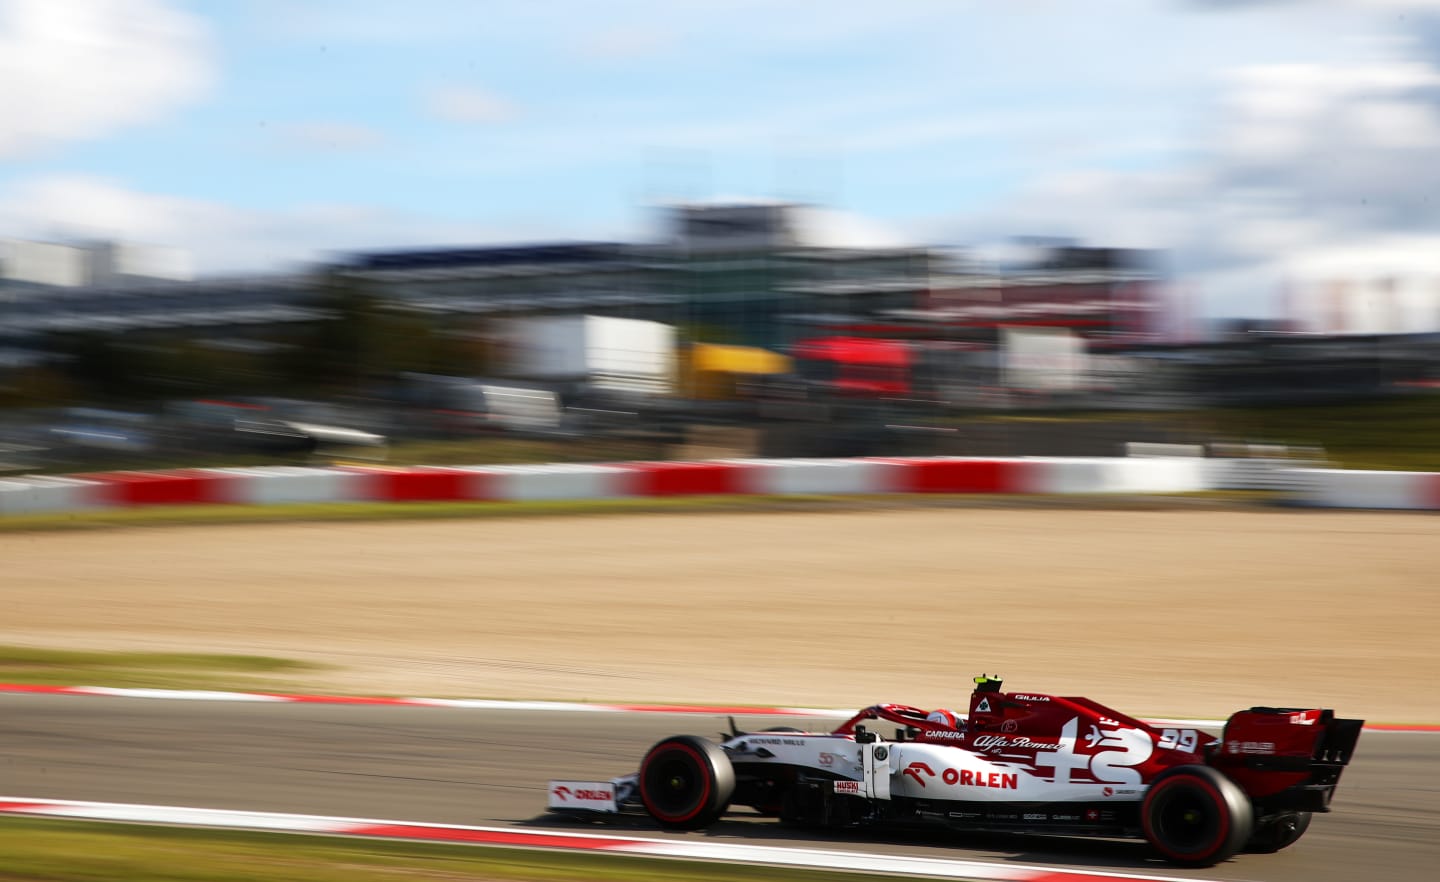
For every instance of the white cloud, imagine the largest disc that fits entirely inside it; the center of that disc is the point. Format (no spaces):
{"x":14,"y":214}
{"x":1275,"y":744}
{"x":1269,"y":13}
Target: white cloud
{"x":1360,"y":4}
{"x":1273,"y":111}
{"x":224,"y":238}
{"x":1361,"y":154}
{"x":82,"y":68}
{"x":468,"y":104}
{"x":626,"y":43}
{"x":329,"y":136}
{"x":1302,"y":161}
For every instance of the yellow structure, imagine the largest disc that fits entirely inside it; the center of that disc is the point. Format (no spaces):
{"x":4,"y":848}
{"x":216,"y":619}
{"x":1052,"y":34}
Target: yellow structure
{"x":711,"y":371}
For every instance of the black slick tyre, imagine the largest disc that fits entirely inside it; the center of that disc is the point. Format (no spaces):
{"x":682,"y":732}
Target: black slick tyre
{"x":1196,"y":817}
{"x":686,"y":782}
{"x":1278,"y":831}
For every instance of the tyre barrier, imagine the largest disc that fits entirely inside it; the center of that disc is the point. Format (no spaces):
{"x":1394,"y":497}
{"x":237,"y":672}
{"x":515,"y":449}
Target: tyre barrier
{"x":281,"y":485}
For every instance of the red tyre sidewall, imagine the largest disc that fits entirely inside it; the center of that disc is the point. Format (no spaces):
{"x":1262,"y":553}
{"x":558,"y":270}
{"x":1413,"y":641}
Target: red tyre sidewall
{"x":1220,"y":805}
{"x":701,"y":762}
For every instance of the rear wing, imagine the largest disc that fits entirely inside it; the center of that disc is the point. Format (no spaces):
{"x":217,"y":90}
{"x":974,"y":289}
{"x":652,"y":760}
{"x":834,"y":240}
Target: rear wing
{"x":1287,"y":758}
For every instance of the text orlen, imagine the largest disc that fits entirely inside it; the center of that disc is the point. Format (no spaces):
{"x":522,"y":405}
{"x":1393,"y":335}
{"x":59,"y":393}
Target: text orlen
{"x":582,"y":794}
{"x":919,"y":773}
{"x":1002,"y":780}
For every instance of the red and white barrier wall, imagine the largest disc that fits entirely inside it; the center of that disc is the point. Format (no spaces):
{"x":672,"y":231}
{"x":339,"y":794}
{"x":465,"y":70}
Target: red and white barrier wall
{"x":1344,"y":488}
{"x":278,"y":485}
{"x":37,"y":494}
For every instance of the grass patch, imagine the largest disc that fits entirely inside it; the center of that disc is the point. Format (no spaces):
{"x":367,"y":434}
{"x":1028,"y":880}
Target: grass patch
{"x":368,"y":511}
{"x":70,"y":851}
{"x":1400,"y":432}
{"x":199,"y":515}
{"x":462,"y":452}
{"x":146,"y":670}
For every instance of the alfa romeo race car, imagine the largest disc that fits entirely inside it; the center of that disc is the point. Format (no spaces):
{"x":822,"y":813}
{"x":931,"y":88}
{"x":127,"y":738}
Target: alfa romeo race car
{"x":1020,"y":762}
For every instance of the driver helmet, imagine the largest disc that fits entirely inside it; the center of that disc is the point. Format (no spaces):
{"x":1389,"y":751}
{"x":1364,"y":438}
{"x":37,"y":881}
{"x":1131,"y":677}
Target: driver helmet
{"x":944,"y":717}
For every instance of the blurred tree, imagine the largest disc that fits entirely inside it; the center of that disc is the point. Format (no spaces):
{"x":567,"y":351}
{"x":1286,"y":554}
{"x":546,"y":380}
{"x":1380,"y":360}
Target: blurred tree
{"x":701,"y":332}
{"x":333,"y":354}
{"x":366,"y":340}
{"x":100,"y":366}
{"x":461,"y":352}
{"x":402,"y":342}
{"x":211,"y":370}
{"x":39,"y":386}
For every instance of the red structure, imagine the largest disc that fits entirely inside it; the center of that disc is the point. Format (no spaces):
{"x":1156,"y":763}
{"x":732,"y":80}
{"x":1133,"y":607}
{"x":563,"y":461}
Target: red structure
{"x":858,"y":366}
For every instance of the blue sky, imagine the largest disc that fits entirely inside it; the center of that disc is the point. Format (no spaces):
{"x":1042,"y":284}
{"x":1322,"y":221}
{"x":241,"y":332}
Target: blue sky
{"x":1247,"y":138}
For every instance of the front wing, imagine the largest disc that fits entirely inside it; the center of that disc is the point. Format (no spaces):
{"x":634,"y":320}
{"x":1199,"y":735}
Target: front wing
{"x":590,"y":798}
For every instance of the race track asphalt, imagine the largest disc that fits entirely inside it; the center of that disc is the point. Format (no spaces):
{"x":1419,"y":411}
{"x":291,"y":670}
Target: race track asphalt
{"x":488,"y":767}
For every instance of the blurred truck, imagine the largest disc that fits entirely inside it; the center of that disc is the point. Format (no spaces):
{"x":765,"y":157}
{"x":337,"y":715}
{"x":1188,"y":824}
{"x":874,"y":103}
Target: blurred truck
{"x":598,"y":354}
{"x":451,"y":407}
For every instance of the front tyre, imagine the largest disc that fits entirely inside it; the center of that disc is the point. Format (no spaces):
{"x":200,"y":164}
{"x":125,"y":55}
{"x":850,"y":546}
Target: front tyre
{"x":686,"y":782}
{"x":1278,"y":831}
{"x":1196,"y":817}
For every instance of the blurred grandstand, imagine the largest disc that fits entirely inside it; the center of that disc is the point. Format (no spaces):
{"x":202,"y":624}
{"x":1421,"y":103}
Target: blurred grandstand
{"x":805,"y":331}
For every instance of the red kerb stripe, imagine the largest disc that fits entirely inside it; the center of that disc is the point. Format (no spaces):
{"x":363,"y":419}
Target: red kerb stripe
{"x":701,"y":709}
{"x":336,"y":699}
{"x":488,"y":837}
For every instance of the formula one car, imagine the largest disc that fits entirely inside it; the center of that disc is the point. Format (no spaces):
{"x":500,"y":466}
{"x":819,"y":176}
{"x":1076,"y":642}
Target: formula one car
{"x":1021,"y":762}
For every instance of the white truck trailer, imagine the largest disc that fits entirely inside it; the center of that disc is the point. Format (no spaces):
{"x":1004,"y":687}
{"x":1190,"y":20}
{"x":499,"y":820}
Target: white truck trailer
{"x":605,"y":353}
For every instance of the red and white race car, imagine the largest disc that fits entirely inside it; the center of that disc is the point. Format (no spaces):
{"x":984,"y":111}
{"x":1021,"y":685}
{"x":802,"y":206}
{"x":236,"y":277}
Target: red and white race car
{"x":1020,"y":762}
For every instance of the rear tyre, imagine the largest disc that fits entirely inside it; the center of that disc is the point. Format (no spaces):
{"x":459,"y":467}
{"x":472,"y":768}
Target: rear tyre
{"x":1278,"y":831}
{"x":686,"y":782}
{"x":1196,"y":817}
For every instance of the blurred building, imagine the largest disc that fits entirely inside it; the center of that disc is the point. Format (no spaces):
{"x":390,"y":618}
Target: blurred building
{"x":50,"y":291}
{"x":1108,"y":296}
{"x":78,"y":264}
{"x":744,"y":270}
{"x":1364,"y":303}
{"x":250,"y":318}
{"x":723,"y":272}
{"x":781,"y":276}
{"x":218,"y":306}
{"x":463,"y":285}
{"x":1388,"y":287}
